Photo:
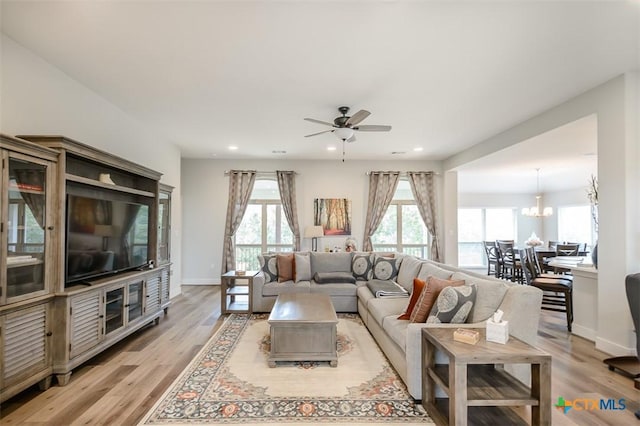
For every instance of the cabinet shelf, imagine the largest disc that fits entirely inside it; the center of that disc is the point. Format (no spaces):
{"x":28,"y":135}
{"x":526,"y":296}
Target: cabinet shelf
{"x":97,"y":183}
{"x":115,"y":299}
{"x":29,"y":262}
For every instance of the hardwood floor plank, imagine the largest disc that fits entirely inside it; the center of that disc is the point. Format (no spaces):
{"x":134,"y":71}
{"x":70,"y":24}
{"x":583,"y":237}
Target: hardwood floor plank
{"x":121,"y":384}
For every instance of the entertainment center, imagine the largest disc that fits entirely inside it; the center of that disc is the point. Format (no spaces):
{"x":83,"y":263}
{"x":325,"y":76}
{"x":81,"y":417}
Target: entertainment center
{"x":85,"y":260}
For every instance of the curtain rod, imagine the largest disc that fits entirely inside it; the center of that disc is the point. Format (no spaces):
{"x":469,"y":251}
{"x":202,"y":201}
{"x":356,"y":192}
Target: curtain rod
{"x":403,"y":174}
{"x":261,"y":172}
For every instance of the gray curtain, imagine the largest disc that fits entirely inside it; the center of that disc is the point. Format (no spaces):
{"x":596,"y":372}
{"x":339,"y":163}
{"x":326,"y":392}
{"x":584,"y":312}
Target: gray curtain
{"x":240,"y":187}
{"x":33,"y":178}
{"x":424,"y":194}
{"x":382,"y":186}
{"x":287,"y":187}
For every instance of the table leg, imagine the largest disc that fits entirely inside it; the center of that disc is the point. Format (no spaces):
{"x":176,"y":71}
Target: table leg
{"x":541,"y":390}
{"x":457,"y":393}
{"x":428,"y":384}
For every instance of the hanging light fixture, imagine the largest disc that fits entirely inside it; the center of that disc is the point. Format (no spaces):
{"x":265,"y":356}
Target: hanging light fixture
{"x":537,"y":210}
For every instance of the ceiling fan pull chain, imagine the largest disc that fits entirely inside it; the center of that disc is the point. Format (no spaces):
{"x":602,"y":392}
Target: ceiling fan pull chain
{"x":343,"y":150}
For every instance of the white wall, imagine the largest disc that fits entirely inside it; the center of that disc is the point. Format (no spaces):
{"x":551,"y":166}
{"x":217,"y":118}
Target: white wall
{"x":205,"y":190}
{"x":616,"y":104}
{"x":37,"y":98}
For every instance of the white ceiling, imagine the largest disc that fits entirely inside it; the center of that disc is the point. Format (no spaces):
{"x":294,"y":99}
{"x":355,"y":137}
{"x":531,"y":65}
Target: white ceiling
{"x":445,"y":75}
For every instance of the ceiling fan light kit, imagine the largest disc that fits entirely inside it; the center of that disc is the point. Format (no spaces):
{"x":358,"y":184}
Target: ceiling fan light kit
{"x":344,"y":126}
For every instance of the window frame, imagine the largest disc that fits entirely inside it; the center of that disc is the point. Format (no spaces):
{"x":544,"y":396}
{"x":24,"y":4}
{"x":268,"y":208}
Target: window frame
{"x":483,"y":215}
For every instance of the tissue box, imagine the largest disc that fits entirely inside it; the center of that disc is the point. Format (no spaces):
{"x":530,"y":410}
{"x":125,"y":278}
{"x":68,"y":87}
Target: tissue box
{"x":497,"y":331}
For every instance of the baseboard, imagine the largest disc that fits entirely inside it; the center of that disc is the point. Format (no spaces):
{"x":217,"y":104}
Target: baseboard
{"x":583,"y":332}
{"x":612,"y":348}
{"x":200,"y":281}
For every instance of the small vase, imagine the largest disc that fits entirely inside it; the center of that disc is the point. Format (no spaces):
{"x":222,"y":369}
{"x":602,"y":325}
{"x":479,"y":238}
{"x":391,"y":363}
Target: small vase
{"x":594,"y":255}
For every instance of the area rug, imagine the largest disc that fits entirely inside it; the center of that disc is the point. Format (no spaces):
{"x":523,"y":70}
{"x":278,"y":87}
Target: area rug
{"x":229,"y":382}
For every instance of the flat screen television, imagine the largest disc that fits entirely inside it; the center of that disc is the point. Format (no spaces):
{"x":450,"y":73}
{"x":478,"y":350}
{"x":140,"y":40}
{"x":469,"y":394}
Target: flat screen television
{"x":104,"y":237}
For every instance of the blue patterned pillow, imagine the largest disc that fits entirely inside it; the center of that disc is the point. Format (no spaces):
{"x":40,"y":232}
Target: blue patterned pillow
{"x":269,"y":265}
{"x":453,"y":305}
{"x":386,"y":268}
{"x":361,"y":266}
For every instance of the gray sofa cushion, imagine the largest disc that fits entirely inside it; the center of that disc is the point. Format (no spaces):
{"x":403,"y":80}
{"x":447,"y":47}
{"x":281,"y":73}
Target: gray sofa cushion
{"x":330,"y":262}
{"x":334,"y":289}
{"x":489,"y":297}
{"x":381,"y":308}
{"x":362,"y":266}
{"x":428,"y":269}
{"x":409,"y":269}
{"x":453,"y":305}
{"x":275,"y":288}
{"x":385,"y":268}
{"x":302,"y":267}
{"x":333,"y":277}
{"x":397,"y":330}
{"x":269,"y":265}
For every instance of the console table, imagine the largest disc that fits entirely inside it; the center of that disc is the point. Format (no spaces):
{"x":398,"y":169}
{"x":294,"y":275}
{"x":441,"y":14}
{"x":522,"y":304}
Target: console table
{"x":471,"y":380}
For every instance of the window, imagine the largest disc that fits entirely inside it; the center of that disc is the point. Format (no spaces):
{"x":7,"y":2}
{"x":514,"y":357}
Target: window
{"x":402,"y":228}
{"x":264,"y":226}
{"x":575,"y":224}
{"x":477,"y":225}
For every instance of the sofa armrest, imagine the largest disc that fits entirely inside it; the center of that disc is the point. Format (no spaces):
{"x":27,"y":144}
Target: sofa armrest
{"x":521,"y":307}
{"x":258,"y":284}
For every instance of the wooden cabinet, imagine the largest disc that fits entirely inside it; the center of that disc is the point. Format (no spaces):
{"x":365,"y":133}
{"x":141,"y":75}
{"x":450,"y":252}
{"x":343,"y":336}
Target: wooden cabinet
{"x":28,"y":263}
{"x":86,"y":319}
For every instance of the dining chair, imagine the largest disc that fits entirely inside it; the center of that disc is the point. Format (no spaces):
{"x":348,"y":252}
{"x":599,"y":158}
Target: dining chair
{"x":557,"y":292}
{"x":493,"y":258}
{"x":511,"y":267}
{"x":539,"y":270}
{"x":565,"y":249}
{"x":553,"y":244}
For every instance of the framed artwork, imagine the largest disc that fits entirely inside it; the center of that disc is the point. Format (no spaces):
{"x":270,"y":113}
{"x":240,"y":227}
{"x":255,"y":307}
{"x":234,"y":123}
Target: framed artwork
{"x":333,"y":214}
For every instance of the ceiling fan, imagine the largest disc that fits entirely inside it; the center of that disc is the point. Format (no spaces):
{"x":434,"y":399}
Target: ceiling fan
{"x":344,"y":127}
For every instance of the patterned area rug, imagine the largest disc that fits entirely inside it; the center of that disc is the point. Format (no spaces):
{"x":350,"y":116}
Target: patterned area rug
{"x":229,"y":382}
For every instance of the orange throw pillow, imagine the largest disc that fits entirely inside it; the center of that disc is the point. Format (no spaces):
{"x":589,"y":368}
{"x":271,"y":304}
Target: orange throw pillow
{"x":428,"y":297}
{"x":286,"y":267}
{"x":418,"y":285}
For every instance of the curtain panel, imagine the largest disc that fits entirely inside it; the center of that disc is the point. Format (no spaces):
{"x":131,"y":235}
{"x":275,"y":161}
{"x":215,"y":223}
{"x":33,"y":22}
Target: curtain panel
{"x":240,"y":187}
{"x":424,"y":194}
{"x":382,"y":186}
{"x":287,"y":187}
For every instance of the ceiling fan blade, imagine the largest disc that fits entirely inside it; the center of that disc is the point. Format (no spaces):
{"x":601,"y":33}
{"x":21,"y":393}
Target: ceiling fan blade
{"x":319,"y":133}
{"x":313,"y":120}
{"x":357,"y":117}
{"x":352,"y":138}
{"x":372,"y":128}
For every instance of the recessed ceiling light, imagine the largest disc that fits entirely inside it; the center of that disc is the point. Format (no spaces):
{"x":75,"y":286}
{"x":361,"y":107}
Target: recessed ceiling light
{"x":331,"y":148}
{"x":275,"y":151}
{"x":233,"y":148}
{"x":397,"y":152}
{"x":418,"y":149}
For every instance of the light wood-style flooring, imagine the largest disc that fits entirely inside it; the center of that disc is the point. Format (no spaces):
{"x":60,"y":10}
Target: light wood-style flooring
{"x":120,"y":385}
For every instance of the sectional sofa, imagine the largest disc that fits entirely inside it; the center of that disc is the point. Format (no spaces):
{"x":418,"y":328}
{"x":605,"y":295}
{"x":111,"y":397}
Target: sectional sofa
{"x":400,"y":340}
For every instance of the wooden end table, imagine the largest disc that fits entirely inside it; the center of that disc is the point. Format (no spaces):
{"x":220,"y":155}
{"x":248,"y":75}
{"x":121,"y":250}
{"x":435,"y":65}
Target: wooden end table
{"x":471,"y":379}
{"x":303,"y":328}
{"x":235,"y":292}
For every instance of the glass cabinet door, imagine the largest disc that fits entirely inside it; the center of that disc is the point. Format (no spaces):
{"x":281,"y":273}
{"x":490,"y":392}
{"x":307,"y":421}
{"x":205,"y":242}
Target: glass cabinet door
{"x":25,"y":222}
{"x":114,"y":309}
{"x":164,"y":225}
{"x":134,"y":303}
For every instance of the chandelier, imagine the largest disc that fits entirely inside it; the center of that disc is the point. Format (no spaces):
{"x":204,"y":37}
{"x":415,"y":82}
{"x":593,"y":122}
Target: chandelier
{"x":537,"y":210}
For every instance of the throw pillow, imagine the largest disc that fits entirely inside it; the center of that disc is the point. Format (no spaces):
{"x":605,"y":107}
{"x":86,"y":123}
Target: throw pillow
{"x":428,"y":297}
{"x":418,"y":286}
{"x":286,"y":267}
{"x":269,"y":266}
{"x":302,"y":267}
{"x":385,"y":268}
{"x":362,"y":267}
{"x":453,"y":305}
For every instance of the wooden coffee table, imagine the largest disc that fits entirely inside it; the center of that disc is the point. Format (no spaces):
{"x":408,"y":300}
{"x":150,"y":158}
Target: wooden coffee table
{"x":303,"y":328}
{"x":471,"y":380}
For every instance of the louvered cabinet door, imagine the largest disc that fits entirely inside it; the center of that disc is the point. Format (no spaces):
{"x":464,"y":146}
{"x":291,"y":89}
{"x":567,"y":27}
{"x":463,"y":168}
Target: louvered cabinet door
{"x":25,"y":344}
{"x":164,"y":286}
{"x":153,"y":295}
{"x":86,"y":323}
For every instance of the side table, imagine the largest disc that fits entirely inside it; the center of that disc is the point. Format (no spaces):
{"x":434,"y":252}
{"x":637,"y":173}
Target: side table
{"x":235,"y":292}
{"x":471,"y":380}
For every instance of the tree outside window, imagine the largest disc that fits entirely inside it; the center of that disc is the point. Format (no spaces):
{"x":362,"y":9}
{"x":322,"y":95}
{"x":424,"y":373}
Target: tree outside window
{"x":264,"y":226}
{"x":402,"y":228}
